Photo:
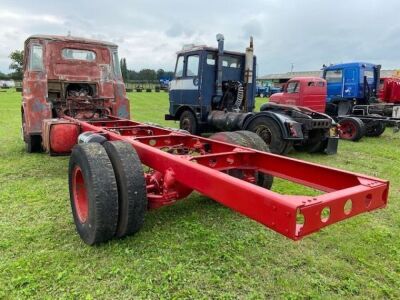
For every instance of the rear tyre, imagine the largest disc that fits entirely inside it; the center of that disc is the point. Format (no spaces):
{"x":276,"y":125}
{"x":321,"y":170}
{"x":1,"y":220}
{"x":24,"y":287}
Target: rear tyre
{"x":93,"y":193}
{"x":250,"y":140}
{"x":271,"y":134}
{"x":351,"y":128}
{"x":256,"y":142}
{"x":33,"y":143}
{"x":188,"y":122}
{"x":374,"y":128}
{"x":132,"y":193}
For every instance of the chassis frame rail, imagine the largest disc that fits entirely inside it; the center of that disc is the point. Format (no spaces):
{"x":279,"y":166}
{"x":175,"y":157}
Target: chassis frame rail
{"x":185,"y":162}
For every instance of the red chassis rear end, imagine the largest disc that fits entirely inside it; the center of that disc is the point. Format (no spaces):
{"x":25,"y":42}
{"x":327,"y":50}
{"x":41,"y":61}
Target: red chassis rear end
{"x":179,"y":163}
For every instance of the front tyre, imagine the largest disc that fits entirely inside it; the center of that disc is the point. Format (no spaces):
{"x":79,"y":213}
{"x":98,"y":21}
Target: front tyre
{"x":188,"y":122}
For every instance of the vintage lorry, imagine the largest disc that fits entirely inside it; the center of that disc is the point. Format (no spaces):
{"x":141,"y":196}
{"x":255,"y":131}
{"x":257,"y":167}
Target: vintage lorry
{"x":352,"y":93}
{"x":214,"y":90}
{"x":311,"y":92}
{"x":74,"y":103}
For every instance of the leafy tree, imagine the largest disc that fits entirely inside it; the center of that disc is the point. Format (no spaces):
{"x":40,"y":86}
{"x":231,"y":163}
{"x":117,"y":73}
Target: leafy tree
{"x":17,"y":63}
{"x":147,"y":74}
{"x":4,"y":76}
{"x":160,"y":74}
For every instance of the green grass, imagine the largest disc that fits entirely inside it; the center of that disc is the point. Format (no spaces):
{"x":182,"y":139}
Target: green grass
{"x":195,"y":248}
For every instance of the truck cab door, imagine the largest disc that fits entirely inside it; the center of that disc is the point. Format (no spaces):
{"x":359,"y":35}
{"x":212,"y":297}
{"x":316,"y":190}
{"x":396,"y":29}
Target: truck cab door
{"x":184,"y":88}
{"x":175,"y":91}
{"x":334,"y":79}
{"x":291,"y":95}
{"x":350,"y":83}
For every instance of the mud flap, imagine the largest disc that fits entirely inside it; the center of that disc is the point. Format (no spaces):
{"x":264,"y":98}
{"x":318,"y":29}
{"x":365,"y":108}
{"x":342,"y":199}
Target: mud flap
{"x":331,"y":145}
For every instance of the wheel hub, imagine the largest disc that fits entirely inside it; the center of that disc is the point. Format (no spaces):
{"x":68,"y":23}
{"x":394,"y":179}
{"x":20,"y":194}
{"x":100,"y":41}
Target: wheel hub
{"x":348,"y":130}
{"x":80,"y":195}
{"x":265,"y":133}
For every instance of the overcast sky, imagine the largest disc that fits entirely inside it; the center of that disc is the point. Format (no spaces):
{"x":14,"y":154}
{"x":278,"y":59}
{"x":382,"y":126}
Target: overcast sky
{"x":307,"y":33}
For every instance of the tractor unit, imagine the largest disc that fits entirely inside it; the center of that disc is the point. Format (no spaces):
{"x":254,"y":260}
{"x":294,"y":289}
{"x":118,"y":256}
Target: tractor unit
{"x":74,"y":103}
{"x":353,"y":91}
{"x":214,"y":90}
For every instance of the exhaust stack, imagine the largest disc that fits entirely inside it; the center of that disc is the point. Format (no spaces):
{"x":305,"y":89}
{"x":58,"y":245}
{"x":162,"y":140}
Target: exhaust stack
{"x":249,"y":63}
{"x":248,"y":72}
{"x":220,"y":39}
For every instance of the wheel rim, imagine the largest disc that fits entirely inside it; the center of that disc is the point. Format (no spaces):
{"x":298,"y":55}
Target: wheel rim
{"x":186,"y":125}
{"x":265,"y":133}
{"x":80,"y":195}
{"x":347,"y":130}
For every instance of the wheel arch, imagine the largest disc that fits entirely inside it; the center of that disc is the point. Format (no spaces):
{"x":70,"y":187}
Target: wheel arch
{"x":183,"y":108}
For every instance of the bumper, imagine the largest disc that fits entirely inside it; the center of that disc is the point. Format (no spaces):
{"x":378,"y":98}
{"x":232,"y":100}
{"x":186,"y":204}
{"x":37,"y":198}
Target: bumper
{"x":169,"y":117}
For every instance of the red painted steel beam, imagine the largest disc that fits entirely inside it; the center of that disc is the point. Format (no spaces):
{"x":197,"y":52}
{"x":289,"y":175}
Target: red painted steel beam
{"x":276,"y":211}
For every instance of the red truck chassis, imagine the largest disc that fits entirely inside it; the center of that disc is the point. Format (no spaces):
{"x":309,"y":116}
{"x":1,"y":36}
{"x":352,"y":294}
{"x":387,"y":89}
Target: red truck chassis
{"x":179,"y":163}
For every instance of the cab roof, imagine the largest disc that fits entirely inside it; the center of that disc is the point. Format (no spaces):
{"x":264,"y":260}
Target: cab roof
{"x":349,"y":65}
{"x":69,"y":38}
{"x":193,"y":48}
{"x":307,"y":78}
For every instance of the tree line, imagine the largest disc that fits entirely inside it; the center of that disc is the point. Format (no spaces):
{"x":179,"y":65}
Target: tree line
{"x":17,"y":62}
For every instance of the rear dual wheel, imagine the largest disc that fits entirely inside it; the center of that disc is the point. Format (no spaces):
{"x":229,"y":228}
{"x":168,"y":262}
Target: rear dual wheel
{"x":107,"y":191}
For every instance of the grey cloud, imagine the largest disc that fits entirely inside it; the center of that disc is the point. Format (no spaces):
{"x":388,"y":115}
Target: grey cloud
{"x":307,"y":33}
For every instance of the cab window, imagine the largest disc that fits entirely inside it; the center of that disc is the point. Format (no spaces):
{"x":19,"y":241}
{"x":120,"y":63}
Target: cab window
{"x":36,"y":58}
{"x":293,"y":87}
{"x":192,"y":69}
{"x":210,"y":59}
{"x":231,"y":62}
{"x":78,"y":54}
{"x":179,"y":67}
{"x":369,"y":74}
{"x":116,"y":65}
{"x":333,"y":76}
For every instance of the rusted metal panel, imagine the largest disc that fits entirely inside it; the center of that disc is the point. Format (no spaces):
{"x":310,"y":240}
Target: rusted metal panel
{"x":70,"y":76}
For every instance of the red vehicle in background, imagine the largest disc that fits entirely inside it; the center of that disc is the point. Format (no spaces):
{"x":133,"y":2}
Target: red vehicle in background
{"x":308,"y":92}
{"x":389,"y":90}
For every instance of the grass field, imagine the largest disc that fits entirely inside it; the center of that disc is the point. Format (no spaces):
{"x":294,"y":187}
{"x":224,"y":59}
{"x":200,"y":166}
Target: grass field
{"x":196,"y":248}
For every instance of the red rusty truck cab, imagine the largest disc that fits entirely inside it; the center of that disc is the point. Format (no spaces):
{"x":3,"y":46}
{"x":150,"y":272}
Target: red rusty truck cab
{"x":68,"y":76}
{"x":308,"y":92}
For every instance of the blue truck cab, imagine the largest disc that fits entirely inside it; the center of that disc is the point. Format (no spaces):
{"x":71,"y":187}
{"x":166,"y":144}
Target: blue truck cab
{"x":357,"y":82}
{"x":206,"y":80}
